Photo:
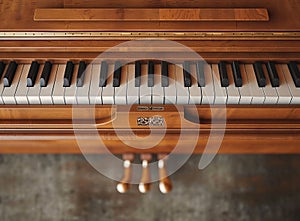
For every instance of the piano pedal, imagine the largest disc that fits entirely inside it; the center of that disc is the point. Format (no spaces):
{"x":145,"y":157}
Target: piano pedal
{"x":124,"y":185}
{"x":165,"y":185}
{"x":145,"y":183}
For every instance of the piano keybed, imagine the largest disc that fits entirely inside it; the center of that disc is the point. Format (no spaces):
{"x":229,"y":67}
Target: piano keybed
{"x":149,"y":82}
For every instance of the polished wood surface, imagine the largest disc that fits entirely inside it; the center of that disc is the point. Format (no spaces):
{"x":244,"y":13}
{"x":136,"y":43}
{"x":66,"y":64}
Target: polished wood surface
{"x":248,"y":129}
{"x":276,"y":39}
{"x":151,"y":14}
{"x":176,"y":116}
{"x":246,"y":50}
{"x":19,"y":15}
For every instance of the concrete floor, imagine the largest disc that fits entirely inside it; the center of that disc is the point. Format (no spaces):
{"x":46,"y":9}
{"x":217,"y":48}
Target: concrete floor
{"x":233,"y":187}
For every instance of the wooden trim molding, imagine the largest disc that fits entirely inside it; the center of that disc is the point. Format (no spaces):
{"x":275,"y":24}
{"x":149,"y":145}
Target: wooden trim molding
{"x":151,"y":14}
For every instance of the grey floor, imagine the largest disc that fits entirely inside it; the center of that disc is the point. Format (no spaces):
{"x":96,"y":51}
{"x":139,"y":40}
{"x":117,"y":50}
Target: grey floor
{"x":233,"y":187}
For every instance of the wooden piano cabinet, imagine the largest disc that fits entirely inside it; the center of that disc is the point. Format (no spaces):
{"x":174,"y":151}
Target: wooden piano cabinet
{"x":50,"y":129}
{"x":29,"y":34}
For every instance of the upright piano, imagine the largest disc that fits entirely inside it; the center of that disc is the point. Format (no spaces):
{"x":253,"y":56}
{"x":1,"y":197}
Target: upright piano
{"x":149,"y":77}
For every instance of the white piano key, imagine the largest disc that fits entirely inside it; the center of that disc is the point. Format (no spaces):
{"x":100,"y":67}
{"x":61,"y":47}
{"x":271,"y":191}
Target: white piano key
{"x":33,"y":94}
{"x":82,"y":93}
{"x":145,"y":91}
{"x":8,"y":94}
{"x":95,"y":90}
{"x":170,"y":91}
{"x":194,"y":90}
{"x":58,"y":89}
{"x":2,"y":85}
{"x":157,"y":89}
{"x":46,"y":92}
{"x":1,"y":89}
{"x":22,"y":89}
{"x":121,"y":91}
{"x":245,"y":90}
{"x":132,"y":91}
{"x":284,"y":94}
{"x":208,"y":93}
{"x":295,"y":91}
{"x":270,"y":92}
{"x":232,"y":91}
{"x":182,"y":93}
{"x":220,"y":92}
{"x":258,"y":96}
{"x":108,"y":92}
{"x":70,"y":92}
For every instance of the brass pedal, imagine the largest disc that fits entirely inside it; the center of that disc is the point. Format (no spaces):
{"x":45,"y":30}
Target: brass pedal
{"x":124,"y":184}
{"x":145,"y":183}
{"x":165,"y":185}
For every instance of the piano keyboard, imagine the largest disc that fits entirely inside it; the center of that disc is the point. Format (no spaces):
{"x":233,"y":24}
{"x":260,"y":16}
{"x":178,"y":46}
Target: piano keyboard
{"x":150,"y":83}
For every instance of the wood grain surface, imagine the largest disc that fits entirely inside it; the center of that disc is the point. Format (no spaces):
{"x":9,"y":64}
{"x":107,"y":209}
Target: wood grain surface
{"x":19,"y":15}
{"x":248,"y":129}
{"x":151,"y":14}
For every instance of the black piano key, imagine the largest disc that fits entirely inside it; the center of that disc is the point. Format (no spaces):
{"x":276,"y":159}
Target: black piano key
{"x":200,"y":73}
{"x":45,"y":74}
{"x":186,"y":74}
{"x":68,"y":74}
{"x":103,"y":74}
{"x":33,"y":71}
{"x":117,"y":74}
{"x":10,"y":73}
{"x":238,"y":81}
{"x":2,"y":67}
{"x":164,"y":74}
{"x":80,"y":74}
{"x":274,"y":78}
{"x":150,"y":73}
{"x":137,"y":71}
{"x":223,"y":74}
{"x":295,"y":73}
{"x":259,"y":73}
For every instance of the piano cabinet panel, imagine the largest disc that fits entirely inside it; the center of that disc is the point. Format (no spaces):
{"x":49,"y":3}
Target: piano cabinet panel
{"x":247,"y":116}
{"x":50,"y":116}
{"x":108,"y":117}
{"x":248,"y":129}
{"x":234,"y":142}
{"x":18,"y":15}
